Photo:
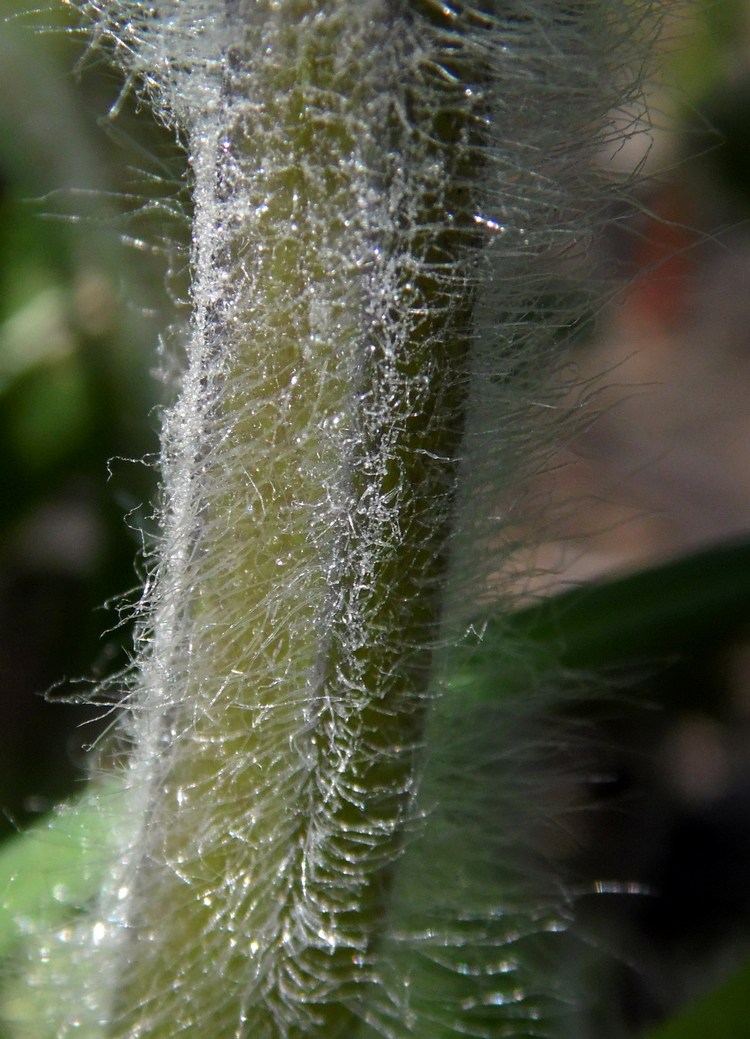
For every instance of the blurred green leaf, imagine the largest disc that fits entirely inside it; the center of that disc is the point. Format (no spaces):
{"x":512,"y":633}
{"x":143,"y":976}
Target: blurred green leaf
{"x":52,"y":869}
{"x":721,"y":1014}
{"x":701,"y":60}
{"x":649,"y":616}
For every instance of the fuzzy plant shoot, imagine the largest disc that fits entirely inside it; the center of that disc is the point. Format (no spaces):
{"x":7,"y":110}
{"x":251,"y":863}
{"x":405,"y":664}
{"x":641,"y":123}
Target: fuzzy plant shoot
{"x":392,"y":205}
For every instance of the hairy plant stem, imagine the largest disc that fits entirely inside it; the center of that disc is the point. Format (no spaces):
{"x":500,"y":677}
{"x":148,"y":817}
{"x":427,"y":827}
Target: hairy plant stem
{"x":324,"y":404}
{"x":388,"y":195}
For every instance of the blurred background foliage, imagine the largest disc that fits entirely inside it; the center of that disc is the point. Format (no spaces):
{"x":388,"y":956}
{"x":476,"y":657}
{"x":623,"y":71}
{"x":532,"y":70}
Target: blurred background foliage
{"x":90,"y":227}
{"x":653,"y":838}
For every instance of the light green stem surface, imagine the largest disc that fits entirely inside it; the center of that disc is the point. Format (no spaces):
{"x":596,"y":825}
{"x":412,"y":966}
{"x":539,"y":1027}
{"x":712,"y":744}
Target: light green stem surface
{"x":389,"y":196}
{"x":329,"y":373}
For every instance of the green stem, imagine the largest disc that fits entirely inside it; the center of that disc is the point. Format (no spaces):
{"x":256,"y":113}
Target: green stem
{"x":370,"y":179}
{"x":330,"y":368}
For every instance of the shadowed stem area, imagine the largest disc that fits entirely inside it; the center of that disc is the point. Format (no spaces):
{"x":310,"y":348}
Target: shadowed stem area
{"x":310,"y":467}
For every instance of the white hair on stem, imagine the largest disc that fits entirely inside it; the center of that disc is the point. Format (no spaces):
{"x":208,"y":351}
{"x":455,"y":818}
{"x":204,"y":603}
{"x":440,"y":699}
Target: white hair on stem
{"x":388,"y":196}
